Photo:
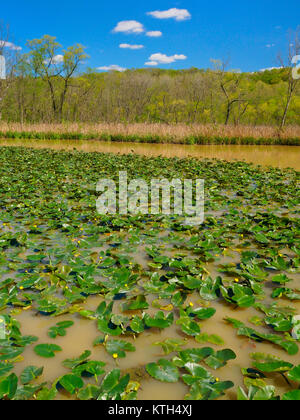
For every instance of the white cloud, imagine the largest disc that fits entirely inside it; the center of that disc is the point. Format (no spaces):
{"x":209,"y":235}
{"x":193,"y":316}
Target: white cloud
{"x":151,"y":63}
{"x":9,"y":45}
{"x":270,"y":45}
{"x":55,"y":60}
{"x":58,"y":59}
{"x":154,"y":34}
{"x":270,"y":68}
{"x":177,"y":14}
{"x":129,"y":27}
{"x":112,"y":67}
{"x":164,"y":59}
{"x":131,"y":47}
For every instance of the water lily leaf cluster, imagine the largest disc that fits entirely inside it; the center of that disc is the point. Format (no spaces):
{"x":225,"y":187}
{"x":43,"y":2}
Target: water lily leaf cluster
{"x":142,"y":278}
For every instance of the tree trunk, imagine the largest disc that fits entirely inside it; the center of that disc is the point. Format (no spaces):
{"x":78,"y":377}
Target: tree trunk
{"x":228,"y":113}
{"x":283,"y":120}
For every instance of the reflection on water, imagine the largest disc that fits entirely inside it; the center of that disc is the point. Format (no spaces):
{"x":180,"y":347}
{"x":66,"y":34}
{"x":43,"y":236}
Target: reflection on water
{"x":278,"y":156}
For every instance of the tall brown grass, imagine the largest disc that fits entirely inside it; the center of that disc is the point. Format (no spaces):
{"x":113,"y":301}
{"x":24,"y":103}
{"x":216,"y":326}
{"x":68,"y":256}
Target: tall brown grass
{"x":177,"y":131}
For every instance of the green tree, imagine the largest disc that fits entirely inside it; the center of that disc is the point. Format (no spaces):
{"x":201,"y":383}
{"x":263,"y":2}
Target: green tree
{"x":55,"y":67}
{"x":229,"y":82}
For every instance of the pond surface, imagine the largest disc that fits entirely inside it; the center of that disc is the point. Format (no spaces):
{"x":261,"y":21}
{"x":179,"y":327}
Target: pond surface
{"x":277,"y":156}
{"x":134,"y":362}
{"x":59,"y":260}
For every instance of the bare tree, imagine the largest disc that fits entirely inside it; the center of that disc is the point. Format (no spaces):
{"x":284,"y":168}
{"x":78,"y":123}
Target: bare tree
{"x":229,"y":82}
{"x":293,"y":79}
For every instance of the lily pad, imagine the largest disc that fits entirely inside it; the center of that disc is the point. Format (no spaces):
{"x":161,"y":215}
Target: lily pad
{"x":47,"y":350}
{"x":163,"y":371}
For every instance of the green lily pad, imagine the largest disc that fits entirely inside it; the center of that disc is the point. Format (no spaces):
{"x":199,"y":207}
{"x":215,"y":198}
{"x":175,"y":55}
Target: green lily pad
{"x":71,"y":383}
{"x":30,"y":373}
{"x":292,"y":395}
{"x":8,"y":386}
{"x":118,"y":348}
{"x":163,"y":371}
{"x":294,"y":374}
{"x":47,"y":350}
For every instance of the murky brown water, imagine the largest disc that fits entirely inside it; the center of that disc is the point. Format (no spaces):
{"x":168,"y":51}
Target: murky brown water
{"x":278,"y":156}
{"x":81,"y":336}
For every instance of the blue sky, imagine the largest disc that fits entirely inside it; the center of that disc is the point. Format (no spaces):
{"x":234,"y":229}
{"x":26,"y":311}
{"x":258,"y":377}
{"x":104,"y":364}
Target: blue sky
{"x":250,"y":32}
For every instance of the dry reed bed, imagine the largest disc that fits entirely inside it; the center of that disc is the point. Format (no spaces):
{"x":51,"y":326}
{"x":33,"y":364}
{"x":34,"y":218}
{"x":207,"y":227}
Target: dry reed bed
{"x":161,"y":133}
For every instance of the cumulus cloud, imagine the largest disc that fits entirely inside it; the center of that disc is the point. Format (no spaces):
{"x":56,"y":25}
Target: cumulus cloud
{"x":270,"y":45}
{"x":9,"y":45}
{"x":112,"y":67}
{"x":55,"y":60}
{"x":177,"y":14}
{"x":58,"y":59}
{"x":129,"y":27}
{"x":164,"y":59}
{"x":270,"y":68}
{"x":131,"y":47}
{"x":154,"y":34}
{"x":151,"y":63}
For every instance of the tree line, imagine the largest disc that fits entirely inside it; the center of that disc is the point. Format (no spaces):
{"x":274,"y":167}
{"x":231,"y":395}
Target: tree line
{"x":45,"y":85}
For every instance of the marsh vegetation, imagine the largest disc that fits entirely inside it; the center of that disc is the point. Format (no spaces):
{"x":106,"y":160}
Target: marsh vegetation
{"x":162,"y":308}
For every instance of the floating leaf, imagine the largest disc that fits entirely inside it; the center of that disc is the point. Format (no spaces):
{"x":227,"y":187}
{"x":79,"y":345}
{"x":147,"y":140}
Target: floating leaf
{"x":281,"y":279}
{"x":72,"y":363}
{"x":290,"y":347}
{"x":170,"y":345}
{"x":5,"y":367}
{"x":30,"y":373}
{"x":209,"y":338}
{"x":292,"y":395}
{"x":8,"y":386}
{"x":187,"y":325}
{"x":220,"y":358}
{"x":201,"y":313}
{"x":139,"y":303}
{"x":163,"y":371}
{"x":60,"y":329}
{"x":192,"y":356}
{"x":90,"y":392}
{"x":137,"y":324}
{"x":118,"y":347}
{"x":294,"y":374}
{"x":47,"y":350}
{"x":71,"y":383}
{"x":113,"y":385}
{"x":159,"y":320}
{"x":204,"y":390}
{"x":92,"y":368}
{"x":46,"y":394}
